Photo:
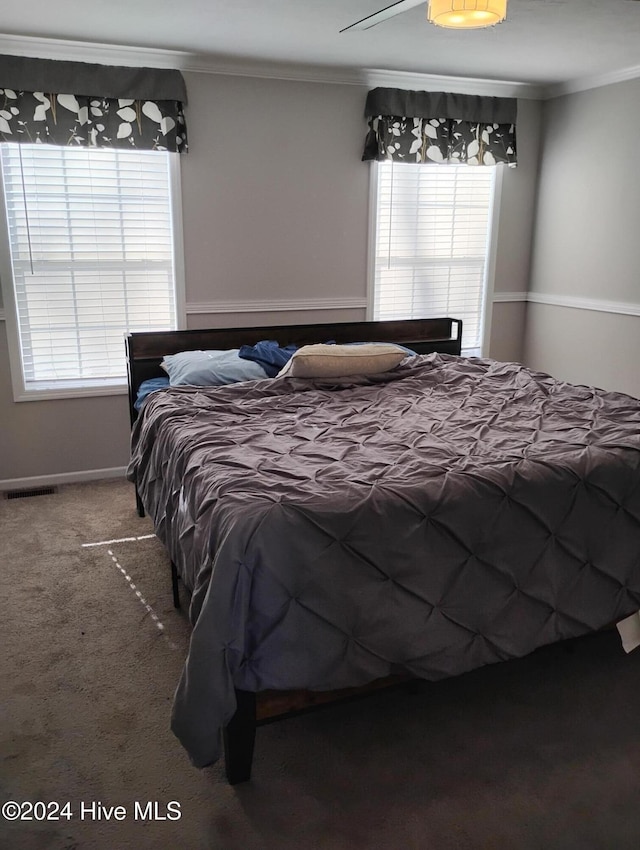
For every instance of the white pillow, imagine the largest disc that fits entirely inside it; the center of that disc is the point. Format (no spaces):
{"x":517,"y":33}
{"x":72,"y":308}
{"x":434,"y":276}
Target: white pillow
{"x":340,"y":361}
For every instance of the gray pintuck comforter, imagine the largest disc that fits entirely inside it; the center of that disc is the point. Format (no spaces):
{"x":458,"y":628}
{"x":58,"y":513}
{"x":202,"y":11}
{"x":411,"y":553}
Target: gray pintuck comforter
{"x":448,"y":514}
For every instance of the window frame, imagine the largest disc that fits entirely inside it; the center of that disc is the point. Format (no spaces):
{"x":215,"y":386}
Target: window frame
{"x":106,"y":387}
{"x":491,"y":257}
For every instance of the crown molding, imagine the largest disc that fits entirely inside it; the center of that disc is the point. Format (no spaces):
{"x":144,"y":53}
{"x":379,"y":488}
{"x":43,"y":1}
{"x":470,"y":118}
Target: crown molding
{"x":85,"y":51}
{"x":594,"y":82}
{"x":78,"y":51}
{"x":463,"y":85}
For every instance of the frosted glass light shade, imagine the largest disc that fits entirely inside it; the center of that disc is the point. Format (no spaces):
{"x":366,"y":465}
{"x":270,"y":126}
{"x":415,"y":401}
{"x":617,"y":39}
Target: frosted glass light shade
{"x":466,"y":14}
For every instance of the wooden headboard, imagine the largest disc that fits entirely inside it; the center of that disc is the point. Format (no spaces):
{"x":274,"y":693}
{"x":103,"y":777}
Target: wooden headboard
{"x":146,"y":349}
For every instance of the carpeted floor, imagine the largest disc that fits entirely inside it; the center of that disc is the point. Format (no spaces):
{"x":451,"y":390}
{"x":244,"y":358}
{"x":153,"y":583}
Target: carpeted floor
{"x":537,"y":754}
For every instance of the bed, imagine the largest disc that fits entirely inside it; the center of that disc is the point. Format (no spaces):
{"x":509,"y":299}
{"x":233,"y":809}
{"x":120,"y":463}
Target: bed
{"x":338,"y":533}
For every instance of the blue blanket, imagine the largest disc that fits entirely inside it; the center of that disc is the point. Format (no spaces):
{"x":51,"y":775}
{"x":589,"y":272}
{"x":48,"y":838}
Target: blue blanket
{"x":268,"y":354}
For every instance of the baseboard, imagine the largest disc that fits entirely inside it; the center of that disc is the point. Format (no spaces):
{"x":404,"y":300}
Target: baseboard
{"x":62,"y":478}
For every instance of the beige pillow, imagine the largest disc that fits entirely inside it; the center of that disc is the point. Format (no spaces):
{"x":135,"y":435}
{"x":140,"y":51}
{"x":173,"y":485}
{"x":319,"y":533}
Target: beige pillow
{"x":339,"y":361}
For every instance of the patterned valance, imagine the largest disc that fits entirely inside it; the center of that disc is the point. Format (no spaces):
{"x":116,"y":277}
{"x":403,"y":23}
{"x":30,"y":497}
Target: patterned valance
{"x":75,"y":103}
{"x":439,"y":127}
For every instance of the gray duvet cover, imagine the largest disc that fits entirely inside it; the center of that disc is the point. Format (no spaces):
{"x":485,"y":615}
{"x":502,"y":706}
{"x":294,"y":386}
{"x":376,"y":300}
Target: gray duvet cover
{"x":448,"y":514}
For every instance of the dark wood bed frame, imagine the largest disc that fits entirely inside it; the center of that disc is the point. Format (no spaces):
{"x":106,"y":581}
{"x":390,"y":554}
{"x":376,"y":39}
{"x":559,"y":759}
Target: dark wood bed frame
{"x":145,"y":351}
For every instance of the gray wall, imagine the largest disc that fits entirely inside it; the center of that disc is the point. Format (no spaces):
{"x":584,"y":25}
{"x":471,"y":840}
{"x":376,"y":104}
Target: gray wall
{"x":275,"y":207}
{"x":586,"y":247}
{"x":515,"y":228}
{"x":274,"y":193}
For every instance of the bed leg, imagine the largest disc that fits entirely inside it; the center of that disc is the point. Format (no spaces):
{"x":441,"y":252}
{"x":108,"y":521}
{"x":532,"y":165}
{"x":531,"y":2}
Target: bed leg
{"x":239,"y":738}
{"x":139,"y":505}
{"x":174,"y":585}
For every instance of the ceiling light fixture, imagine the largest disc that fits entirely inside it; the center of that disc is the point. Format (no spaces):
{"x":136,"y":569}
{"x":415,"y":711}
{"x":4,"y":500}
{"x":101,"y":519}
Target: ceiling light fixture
{"x":466,"y":14}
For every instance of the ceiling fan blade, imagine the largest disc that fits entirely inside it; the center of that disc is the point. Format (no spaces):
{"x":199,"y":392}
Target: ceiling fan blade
{"x":384,"y":14}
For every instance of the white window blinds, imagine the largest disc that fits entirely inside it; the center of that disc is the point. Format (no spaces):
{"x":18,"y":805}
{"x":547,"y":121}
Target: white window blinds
{"x":432,"y":240}
{"x":90,"y":232}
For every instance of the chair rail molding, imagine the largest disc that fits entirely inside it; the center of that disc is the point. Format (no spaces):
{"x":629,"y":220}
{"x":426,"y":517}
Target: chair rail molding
{"x":276,"y":305}
{"x":599,"y":305}
{"x":506,"y":297}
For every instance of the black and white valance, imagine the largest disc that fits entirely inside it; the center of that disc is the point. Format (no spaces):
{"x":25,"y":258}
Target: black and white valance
{"x":439,"y":127}
{"x":79,"y":104}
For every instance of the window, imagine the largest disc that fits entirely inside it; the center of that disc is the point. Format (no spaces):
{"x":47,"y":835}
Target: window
{"x":92,"y":248}
{"x":431,"y":246}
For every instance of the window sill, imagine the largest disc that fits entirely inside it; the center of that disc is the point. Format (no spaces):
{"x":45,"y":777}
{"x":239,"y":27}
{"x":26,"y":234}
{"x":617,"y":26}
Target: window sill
{"x":45,"y":392}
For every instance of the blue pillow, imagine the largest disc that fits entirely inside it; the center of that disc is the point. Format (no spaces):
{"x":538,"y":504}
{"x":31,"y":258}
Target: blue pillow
{"x":210,"y":368}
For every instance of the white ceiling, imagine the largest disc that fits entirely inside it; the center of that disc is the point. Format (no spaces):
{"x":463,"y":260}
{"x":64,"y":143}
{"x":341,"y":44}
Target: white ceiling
{"x":542,"y":42}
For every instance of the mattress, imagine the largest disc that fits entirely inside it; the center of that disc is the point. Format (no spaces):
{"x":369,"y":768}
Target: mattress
{"x":445,"y":515}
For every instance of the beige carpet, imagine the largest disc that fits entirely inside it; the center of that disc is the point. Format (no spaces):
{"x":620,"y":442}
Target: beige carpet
{"x":538,"y":754}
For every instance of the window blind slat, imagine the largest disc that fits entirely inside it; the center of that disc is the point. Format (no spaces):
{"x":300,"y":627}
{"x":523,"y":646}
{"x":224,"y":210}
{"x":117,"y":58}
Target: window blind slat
{"x":91,"y":240}
{"x":432,"y":242}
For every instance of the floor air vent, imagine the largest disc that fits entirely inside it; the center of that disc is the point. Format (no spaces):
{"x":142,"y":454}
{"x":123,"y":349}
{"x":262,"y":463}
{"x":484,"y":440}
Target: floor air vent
{"x":27,"y":494}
